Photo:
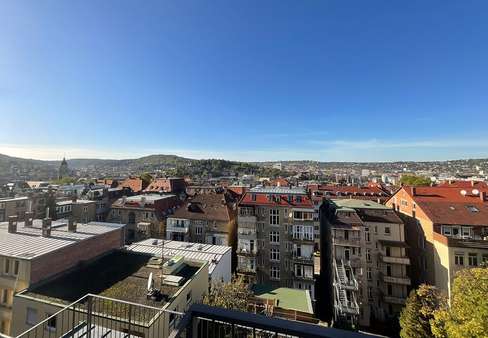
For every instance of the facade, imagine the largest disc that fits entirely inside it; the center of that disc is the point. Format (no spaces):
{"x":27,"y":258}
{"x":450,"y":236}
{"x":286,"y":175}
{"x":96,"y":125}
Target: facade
{"x":35,"y":250}
{"x":123,"y":278}
{"x":276,"y":237}
{"x":446,"y":228}
{"x":145,"y":215}
{"x":82,"y":211}
{"x":205,"y":218}
{"x":369,"y":264}
{"x":13,"y":207}
{"x":219,"y":257}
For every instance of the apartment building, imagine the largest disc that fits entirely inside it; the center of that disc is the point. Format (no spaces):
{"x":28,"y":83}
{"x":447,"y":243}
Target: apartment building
{"x":143,"y":293}
{"x":367,"y":261}
{"x":446,"y":229}
{"x":145,"y":215}
{"x":82,"y":211}
{"x":219,"y":257}
{"x":13,"y":207}
{"x":276,"y":237}
{"x":205,"y":218}
{"x":35,"y":250}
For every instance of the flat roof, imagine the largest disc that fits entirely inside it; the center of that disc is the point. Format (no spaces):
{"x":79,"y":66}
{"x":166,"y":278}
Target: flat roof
{"x":27,"y":242}
{"x":148,"y":197}
{"x":120,"y":275}
{"x":8,"y":199}
{"x":358,"y":204}
{"x":193,"y":251}
{"x":291,"y":299}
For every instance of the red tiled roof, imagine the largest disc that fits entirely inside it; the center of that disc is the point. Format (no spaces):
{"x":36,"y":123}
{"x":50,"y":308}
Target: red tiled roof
{"x":279,"y":182}
{"x":463,"y":184}
{"x":134,"y":183}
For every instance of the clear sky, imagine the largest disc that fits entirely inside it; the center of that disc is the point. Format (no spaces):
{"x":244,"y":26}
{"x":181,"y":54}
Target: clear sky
{"x":245,"y":80}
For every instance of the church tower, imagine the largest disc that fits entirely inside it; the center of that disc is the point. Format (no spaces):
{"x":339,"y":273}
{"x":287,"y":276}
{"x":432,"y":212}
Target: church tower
{"x":63,"y":169}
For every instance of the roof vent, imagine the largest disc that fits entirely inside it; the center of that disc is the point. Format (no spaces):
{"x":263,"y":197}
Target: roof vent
{"x":12,"y":224}
{"x":475,"y":192}
{"x":46,"y":227}
{"x":463,"y":192}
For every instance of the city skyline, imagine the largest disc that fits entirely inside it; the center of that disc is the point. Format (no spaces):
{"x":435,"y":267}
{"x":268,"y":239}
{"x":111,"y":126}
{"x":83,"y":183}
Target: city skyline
{"x":247,"y":81}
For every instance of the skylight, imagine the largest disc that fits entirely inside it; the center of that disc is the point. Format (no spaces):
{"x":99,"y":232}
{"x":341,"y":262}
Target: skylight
{"x":472,"y":208}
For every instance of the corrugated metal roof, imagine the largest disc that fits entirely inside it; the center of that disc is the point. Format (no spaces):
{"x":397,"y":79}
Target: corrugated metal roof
{"x":192,"y":251}
{"x":27,"y":242}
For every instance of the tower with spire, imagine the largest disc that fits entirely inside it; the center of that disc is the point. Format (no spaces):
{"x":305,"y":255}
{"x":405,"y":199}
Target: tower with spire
{"x":63,"y":169}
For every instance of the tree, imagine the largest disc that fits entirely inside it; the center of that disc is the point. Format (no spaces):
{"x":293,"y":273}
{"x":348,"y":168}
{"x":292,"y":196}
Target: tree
{"x":234,"y":295}
{"x":419,"y":311}
{"x":146,"y":179}
{"x":415,"y":180}
{"x":468,"y":314}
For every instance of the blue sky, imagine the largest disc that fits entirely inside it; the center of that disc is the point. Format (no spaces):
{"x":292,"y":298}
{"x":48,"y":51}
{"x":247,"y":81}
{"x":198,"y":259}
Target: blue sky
{"x":245,"y":80}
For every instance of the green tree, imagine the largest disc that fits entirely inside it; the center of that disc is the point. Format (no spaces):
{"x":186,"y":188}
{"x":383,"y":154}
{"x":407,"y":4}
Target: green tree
{"x":146,"y":179}
{"x":467,"y":315}
{"x":415,"y":180}
{"x":234,"y":295}
{"x":419,"y":311}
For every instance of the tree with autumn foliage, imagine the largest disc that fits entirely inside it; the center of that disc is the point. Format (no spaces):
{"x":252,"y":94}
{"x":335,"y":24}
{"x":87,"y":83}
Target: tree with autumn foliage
{"x":234,"y":295}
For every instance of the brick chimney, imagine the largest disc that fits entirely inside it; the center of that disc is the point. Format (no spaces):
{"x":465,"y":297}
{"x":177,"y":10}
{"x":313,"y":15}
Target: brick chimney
{"x":46,"y":227}
{"x":12,"y":224}
{"x":72,"y":225}
{"x":483,"y":196}
{"x":413,"y":190}
{"x":29,"y":217}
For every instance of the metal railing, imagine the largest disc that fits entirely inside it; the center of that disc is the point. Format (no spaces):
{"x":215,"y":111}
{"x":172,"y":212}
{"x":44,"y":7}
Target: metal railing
{"x":96,"y":316}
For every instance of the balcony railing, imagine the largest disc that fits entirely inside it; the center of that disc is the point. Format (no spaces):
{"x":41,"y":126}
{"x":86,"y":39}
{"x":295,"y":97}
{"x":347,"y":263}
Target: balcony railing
{"x":397,"y":280}
{"x":96,"y":316}
{"x":395,"y":260}
{"x":177,"y":229}
{"x":351,"y":241}
{"x":394,"y":300}
{"x":247,"y":251}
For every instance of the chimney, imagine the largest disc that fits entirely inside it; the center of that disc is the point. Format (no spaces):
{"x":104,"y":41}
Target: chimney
{"x":29,"y":217}
{"x":46,"y":227}
{"x":12,"y":224}
{"x":483,"y":196}
{"x":472,"y":183}
{"x":413,"y":190}
{"x":71,"y":225}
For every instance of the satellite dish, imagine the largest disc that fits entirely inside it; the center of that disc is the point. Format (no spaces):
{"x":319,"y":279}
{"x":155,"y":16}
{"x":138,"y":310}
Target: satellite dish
{"x":463,"y":192}
{"x":150,"y":282}
{"x":475,"y":192}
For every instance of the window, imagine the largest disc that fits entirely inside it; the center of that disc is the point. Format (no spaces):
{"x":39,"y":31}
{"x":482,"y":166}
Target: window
{"x":4,"y":296}
{"x":369,"y":274}
{"x":368,"y":255}
{"x":51,"y":323}
{"x":387,"y":230}
{"x":31,"y":316}
{"x":446,"y":231}
{"x":16,"y":268}
{"x":253,"y":197}
{"x":274,"y":217}
{"x":367,"y":236}
{"x":404,"y":203}
{"x":275,"y":272}
{"x":472,"y":259}
{"x":389,"y":289}
{"x":274,"y":254}
{"x":298,"y":199}
{"x":388,"y":270}
{"x":7,"y":266}
{"x":198,"y":230}
{"x":459,"y":258}
{"x":388,"y":251}
{"x":370,"y":292}
{"x":274,"y":237}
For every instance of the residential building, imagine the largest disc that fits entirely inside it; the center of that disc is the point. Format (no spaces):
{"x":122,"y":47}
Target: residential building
{"x":446,"y":229}
{"x":144,"y":290}
{"x":35,"y":250}
{"x":79,"y":210}
{"x":366,"y":260}
{"x":174,"y":185}
{"x":276,"y":237}
{"x":145,"y":215}
{"x":13,"y":207}
{"x":372,"y":192}
{"x":205,"y":218}
{"x":219,"y":257}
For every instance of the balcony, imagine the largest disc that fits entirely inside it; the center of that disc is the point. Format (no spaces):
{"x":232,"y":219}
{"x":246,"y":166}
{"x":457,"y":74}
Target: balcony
{"x":302,"y":259}
{"x":396,"y":280}
{"x":247,"y":251}
{"x":352,"y":241}
{"x":303,"y":238}
{"x":394,"y":300}
{"x":179,"y":229}
{"x":395,"y":260}
{"x":246,"y":221}
{"x":303,"y":277}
